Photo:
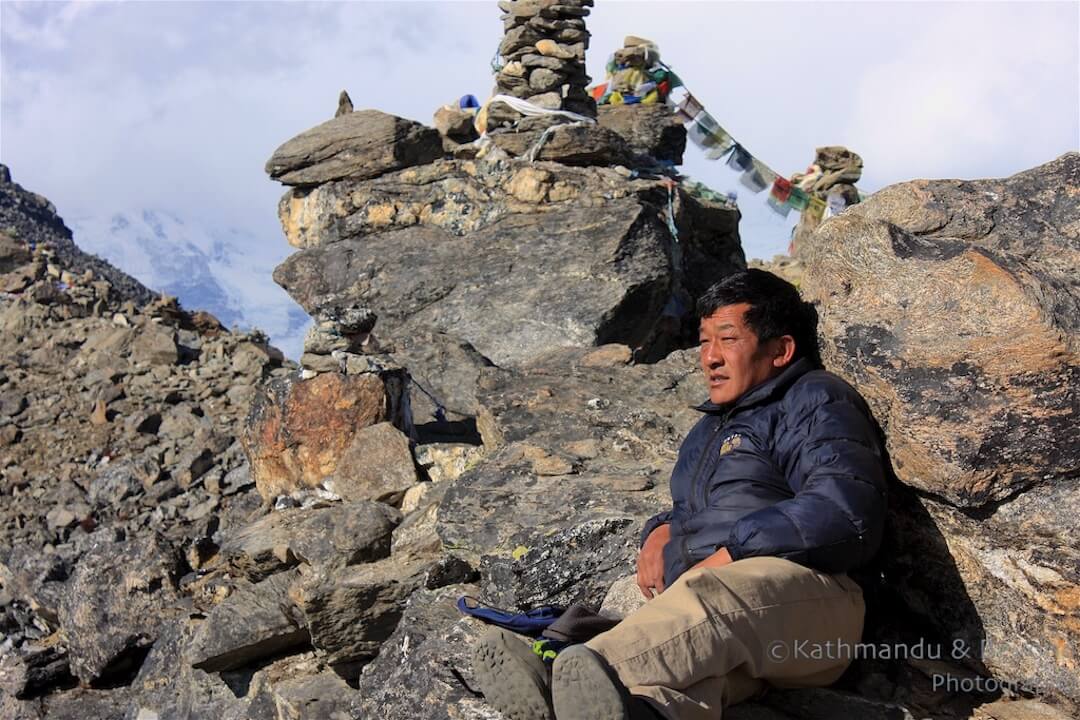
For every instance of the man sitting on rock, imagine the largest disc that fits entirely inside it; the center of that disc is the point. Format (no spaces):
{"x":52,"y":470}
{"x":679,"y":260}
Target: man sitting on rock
{"x":778,"y":492}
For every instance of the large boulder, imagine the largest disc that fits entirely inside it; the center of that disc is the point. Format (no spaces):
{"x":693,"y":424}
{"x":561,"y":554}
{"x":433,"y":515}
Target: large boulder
{"x":377,"y":465}
{"x":116,"y":602}
{"x":568,"y":144}
{"x":469,"y":263}
{"x":333,"y":536}
{"x":650,"y":129}
{"x":511,"y":298}
{"x":362,"y":144}
{"x":255,"y":622}
{"x":954,"y":308}
{"x":298,"y":430}
{"x":350,"y":612}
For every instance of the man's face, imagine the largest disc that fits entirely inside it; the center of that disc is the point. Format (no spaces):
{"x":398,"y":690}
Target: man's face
{"x":731,"y":357}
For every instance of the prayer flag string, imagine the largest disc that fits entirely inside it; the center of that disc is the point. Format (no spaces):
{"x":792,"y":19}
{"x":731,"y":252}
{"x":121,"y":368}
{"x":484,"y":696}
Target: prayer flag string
{"x":718,"y":144}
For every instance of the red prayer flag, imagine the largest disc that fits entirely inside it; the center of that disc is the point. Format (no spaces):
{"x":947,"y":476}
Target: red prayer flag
{"x":781,"y":189}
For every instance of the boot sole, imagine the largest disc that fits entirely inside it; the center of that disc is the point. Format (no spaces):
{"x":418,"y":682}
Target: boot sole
{"x":583,"y":688}
{"x":512,"y":677}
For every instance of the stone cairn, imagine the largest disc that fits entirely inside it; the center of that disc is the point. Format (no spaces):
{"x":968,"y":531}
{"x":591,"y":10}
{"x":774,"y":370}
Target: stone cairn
{"x":542,"y":56}
{"x":340,"y":336}
{"x":831,"y":177}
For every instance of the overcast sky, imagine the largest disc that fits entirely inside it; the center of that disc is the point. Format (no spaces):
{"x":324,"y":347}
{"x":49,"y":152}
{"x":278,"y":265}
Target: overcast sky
{"x":177,"y":106}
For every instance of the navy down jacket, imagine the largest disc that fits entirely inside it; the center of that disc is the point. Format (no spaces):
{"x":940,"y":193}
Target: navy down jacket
{"x":794,"y":469}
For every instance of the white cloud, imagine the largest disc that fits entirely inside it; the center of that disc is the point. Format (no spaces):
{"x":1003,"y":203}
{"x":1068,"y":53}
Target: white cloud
{"x":177,"y":105}
{"x":981,"y":90}
{"x":48,"y":26}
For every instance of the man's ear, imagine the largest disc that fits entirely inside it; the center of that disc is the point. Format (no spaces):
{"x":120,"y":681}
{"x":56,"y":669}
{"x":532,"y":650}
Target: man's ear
{"x":783,"y":350}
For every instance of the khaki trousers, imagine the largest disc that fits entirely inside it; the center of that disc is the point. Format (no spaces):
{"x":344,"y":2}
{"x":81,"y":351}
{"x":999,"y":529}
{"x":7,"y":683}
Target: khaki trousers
{"x":719,"y":636}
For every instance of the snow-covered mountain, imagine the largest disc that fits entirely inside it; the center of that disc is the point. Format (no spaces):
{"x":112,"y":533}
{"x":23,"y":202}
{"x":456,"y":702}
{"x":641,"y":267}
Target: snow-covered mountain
{"x":226,"y":272}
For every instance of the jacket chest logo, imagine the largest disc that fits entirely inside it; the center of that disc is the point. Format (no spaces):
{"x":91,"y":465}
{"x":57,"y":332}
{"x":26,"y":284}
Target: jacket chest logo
{"x":730,"y":443}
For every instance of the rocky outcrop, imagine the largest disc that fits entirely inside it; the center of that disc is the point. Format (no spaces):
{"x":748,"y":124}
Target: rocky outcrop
{"x":30,"y":220}
{"x":651,"y":130}
{"x":424,"y":669}
{"x":119,"y":414}
{"x":396,"y":245}
{"x":953,"y":306}
{"x":362,"y":144}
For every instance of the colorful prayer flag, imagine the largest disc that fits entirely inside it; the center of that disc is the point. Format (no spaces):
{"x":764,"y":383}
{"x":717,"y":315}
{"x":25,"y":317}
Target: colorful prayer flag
{"x":753,"y":180}
{"x":688,"y":109}
{"x":780,"y":207}
{"x":767,"y":173}
{"x":785,"y":194}
{"x":781,"y":189}
{"x":705,"y":132}
{"x":798,"y":199}
{"x":721,"y":148}
{"x":740,"y":159}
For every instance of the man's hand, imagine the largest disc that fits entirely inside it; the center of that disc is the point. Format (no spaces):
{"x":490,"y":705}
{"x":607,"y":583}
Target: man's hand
{"x":720,"y":558}
{"x":650,"y":562}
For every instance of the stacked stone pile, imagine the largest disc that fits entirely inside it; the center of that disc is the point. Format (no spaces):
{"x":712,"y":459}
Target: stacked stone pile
{"x":543,"y":55}
{"x":338,"y":336}
{"x":831,"y":178}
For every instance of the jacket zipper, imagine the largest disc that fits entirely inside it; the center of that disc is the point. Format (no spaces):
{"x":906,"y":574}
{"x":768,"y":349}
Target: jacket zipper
{"x":701,"y":460}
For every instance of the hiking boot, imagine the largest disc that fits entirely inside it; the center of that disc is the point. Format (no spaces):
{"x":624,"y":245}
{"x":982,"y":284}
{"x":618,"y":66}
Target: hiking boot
{"x":512,"y":677}
{"x":585,"y":687}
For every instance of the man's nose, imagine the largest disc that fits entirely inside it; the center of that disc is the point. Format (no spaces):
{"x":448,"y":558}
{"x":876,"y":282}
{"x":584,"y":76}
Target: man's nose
{"x":712,"y":356}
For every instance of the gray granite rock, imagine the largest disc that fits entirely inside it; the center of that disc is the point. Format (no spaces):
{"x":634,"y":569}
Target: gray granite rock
{"x":425,"y":667}
{"x":361,"y":144}
{"x":649,"y":129}
{"x":115,"y":603}
{"x":256,"y":621}
{"x":333,"y":536}
{"x":953,"y":307}
{"x":377,"y":465}
{"x":350,"y":612}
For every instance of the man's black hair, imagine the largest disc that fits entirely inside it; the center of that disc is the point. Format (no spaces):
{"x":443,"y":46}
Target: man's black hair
{"x":776,"y":309}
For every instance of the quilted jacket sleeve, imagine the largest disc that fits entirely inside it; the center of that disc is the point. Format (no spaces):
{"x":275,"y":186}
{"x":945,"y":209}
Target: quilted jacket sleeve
{"x":652,"y":523}
{"x":836,"y":520}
